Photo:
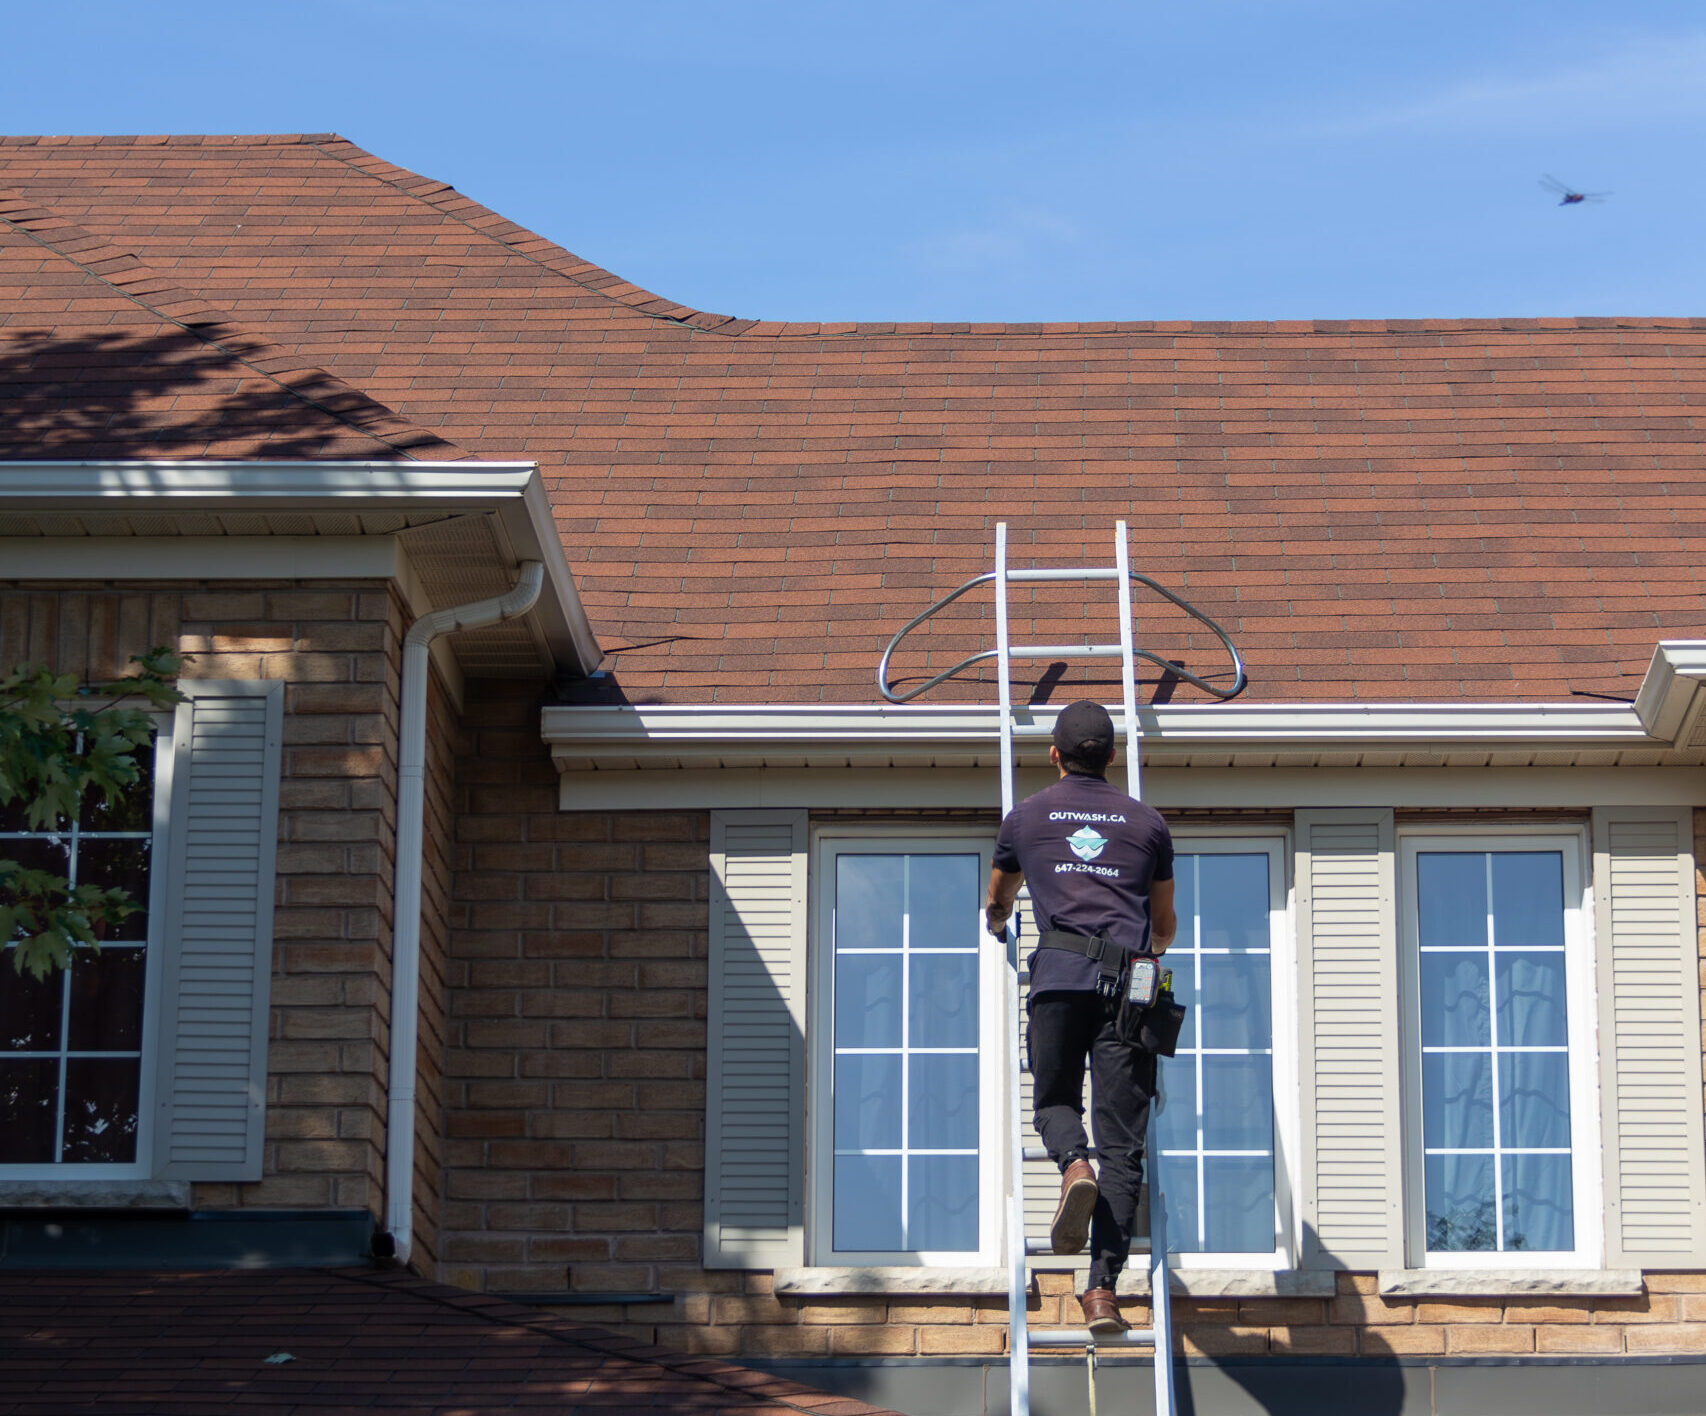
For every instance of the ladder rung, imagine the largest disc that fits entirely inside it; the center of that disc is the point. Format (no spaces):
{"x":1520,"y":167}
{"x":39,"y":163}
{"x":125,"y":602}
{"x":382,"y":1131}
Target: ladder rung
{"x":1083,"y":1337}
{"x":1066,"y":572}
{"x":1040,"y":1153}
{"x":1065,"y":651}
{"x":1033,"y":730}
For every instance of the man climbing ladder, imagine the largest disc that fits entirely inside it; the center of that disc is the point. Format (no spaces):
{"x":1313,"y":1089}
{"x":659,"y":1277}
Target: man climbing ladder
{"x":1100,"y":867}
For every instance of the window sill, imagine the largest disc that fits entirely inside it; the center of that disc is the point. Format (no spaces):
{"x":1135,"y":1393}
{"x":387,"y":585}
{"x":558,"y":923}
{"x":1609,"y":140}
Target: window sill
{"x":95,"y":1194}
{"x":978,"y":1282}
{"x":1511,"y":1283}
{"x":1233,"y":1283}
{"x":830,"y":1282}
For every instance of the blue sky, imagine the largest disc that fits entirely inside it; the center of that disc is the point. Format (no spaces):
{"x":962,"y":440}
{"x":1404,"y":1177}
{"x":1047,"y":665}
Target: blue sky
{"x":1209,"y":159}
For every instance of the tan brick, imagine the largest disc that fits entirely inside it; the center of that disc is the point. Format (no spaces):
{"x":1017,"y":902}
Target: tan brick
{"x":755,"y":1308}
{"x":1490,"y":1310}
{"x":850,"y":1310}
{"x":1321,"y":1341}
{"x":1402,"y":1341}
{"x":1649,"y":1308}
{"x":872,"y":1340}
{"x":961,"y":1340}
{"x":1579,"y":1338}
{"x":1674,"y":1282}
{"x":1489,"y":1337}
{"x":936,"y":1314}
{"x":772,"y":1341}
{"x":1681,"y":1338}
{"x":1363,"y":1309}
{"x":1220,"y":1341}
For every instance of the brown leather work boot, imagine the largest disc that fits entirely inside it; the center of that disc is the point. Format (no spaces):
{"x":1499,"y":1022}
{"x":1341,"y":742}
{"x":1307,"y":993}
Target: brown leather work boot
{"x":1071,"y":1225}
{"x":1101,"y":1312}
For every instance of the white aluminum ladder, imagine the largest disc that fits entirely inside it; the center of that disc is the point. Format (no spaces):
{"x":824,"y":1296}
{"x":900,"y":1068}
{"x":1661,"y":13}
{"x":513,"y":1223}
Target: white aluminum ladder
{"x":1021,"y":1337}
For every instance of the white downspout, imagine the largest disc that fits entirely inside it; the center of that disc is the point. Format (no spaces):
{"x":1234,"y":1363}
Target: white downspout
{"x":406,"y":914}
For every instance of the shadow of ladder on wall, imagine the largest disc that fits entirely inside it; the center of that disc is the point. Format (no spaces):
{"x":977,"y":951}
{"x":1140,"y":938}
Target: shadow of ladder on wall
{"x":1020,"y":1246}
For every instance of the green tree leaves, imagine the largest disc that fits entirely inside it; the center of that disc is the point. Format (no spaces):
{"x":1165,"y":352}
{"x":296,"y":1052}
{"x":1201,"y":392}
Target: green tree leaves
{"x":61,"y":741}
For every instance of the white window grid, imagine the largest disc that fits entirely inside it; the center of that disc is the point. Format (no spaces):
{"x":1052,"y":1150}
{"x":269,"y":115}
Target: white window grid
{"x":1187,"y":851}
{"x":73,"y":838}
{"x":1569,"y":844}
{"x":913,"y":843}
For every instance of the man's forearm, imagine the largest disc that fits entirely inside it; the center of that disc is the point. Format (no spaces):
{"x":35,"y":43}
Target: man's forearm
{"x":998,"y":903}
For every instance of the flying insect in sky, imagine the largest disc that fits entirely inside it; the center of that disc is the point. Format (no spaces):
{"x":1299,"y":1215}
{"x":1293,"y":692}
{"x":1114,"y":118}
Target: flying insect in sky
{"x":1569,"y":196}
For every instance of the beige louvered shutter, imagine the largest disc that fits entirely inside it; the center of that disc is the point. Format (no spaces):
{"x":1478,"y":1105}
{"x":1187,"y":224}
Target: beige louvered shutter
{"x":1649,"y":1021}
{"x":1352,"y":1163}
{"x":755,"y":1092}
{"x":222,"y":839}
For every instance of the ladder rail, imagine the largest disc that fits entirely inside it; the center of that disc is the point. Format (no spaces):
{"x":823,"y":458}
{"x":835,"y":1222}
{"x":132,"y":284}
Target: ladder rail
{"x":1240,"y":679}
{"x":1158,"y":1336}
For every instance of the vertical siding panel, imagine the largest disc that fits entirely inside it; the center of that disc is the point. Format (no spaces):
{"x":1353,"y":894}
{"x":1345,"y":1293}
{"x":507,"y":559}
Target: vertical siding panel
{"x":755,"y":1111}
{"x":1650,"y":1047}
{"x":1352,"y":1166}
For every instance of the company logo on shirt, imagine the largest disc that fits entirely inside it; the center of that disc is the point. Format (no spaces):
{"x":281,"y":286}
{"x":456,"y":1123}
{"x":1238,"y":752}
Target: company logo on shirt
{"x":1086,"y":843}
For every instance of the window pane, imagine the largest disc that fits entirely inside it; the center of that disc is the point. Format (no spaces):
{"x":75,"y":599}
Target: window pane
{"x":869,"y":900}
{"x":867,"y":1000}
{"x":867,"y":1202}
{"x":867,"y":1101}
{"x":118,"y":865}
{"x":29,"y":1096}
{"x":1457,"y":1099}
{"x":1537,"y":1202}
{"x":106,"y":999}
{"x":944,"y":902}
{"x":131,"y":810}
{"x":1238,"y":1103}
{"x":1528,"y":898}
{"x":942,"y":1202}
{"x":29,"y":1011}
{"x":1460,"y":1203}
{"x":1179,"y":1187}
{"x":1454,"y":1000}
{"x":1182,"y":963}
{"x":1451,"y":896}
{"x":1534,"y":1099}
{"x":1185,"y":893}
{"x":1176,"y":1121}
{"x":942,"y":1101}
{"x":942,"y":1006}
{"x":1234,"y":896}
{"x":1235,"y":1007}
{"x":100,"y":1109}
{"x":1239,"y":1204}
{"x":1531,"y":999}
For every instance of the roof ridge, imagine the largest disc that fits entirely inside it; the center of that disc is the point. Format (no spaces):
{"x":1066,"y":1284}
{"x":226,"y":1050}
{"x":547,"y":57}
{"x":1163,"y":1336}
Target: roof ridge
{"x":312,"y":385}
{"x":162,"y":139}
{"x":530,"y":244}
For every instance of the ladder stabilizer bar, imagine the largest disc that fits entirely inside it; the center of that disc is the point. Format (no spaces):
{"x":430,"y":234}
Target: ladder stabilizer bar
{"x":1063,"y":650}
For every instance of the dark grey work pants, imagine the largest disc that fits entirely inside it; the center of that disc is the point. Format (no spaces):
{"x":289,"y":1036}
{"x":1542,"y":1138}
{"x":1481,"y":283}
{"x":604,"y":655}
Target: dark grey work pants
{"x":1065,"y":1030}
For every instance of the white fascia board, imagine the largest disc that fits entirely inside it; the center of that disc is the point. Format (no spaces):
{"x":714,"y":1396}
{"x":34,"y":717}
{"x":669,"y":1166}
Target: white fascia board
{"x":203,"y":558}
{"x":1671,"y":687}
{"x":299,"y":485}
{"x":665,"y":729}
{"x":512,"y":490}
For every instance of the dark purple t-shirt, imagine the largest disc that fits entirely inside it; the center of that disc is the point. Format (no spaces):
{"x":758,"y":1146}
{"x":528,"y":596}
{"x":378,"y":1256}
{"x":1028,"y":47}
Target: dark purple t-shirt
{"x":1089,"y":853}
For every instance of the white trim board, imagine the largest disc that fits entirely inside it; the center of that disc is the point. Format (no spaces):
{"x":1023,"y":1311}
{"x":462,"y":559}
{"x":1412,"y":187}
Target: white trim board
{"x":203,"y":558}
{"x":1278,"y":788}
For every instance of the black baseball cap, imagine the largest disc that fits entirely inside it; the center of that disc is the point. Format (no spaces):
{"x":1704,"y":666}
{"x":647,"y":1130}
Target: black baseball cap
{"x":1084,"y":729}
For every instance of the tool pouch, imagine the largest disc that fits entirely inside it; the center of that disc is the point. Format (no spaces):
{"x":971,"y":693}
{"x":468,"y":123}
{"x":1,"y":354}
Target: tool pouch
{"x":1148,"y":1018}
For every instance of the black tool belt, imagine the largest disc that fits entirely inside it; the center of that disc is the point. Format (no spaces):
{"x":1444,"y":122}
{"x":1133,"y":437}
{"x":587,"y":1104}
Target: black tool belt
{"x":1151,"y":1026}
{"x":1102,"y":950}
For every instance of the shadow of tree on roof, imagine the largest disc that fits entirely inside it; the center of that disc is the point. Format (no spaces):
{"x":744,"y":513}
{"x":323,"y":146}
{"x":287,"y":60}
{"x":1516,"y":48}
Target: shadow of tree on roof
{"x":171,"y":395}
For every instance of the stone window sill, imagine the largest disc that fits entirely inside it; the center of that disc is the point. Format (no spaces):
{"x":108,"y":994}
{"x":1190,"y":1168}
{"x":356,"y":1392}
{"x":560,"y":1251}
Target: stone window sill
{"x":94,"y":1195}
{"x":1511,"y":1283}
{"x":978,"y":1282}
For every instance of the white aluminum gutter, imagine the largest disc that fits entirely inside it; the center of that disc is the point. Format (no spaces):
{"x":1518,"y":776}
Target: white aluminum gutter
{"x":513,"y":492}
{"x":406,"y":913}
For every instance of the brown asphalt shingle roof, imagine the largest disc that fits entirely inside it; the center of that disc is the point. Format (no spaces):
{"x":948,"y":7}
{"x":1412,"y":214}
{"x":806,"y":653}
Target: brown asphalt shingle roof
{"x":184,"y":1344}
{"x":1419,"y":510}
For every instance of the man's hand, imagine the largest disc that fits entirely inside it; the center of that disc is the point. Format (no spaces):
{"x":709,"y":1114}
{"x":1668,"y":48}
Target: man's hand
{"x":998,"y":903}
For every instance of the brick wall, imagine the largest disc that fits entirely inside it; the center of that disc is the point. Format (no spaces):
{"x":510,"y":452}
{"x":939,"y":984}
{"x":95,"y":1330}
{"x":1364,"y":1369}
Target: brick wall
{"x":335,"y":645}
{"x":574,"y":1083}
{"x":575,"y":1115}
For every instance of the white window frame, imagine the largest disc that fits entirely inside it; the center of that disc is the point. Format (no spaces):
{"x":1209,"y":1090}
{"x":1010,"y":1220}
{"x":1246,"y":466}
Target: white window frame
{"x":142,"y":1167}
{"x":1581,"y":1011}
{"x":1282,"y":1000}
{"x":829,"y":841}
